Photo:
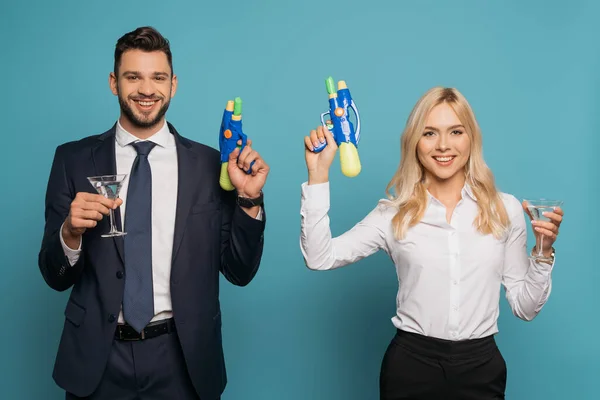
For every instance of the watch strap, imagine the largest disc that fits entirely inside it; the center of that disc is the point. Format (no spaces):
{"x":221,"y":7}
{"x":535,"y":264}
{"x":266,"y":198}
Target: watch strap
{"x":247,"y":202}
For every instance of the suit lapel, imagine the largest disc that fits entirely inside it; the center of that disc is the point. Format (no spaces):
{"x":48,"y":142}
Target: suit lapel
{"x":103,"y":156}
{"x":186,"y":186}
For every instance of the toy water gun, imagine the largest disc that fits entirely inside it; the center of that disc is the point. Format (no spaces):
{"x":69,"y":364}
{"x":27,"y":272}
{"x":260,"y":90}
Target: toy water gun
{"x":341,"y":128}
{"x":230,"y":133}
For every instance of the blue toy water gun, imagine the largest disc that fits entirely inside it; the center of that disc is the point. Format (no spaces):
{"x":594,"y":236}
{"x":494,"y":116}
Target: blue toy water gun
{"x":229,"y":134}
{"x":341,"y":128}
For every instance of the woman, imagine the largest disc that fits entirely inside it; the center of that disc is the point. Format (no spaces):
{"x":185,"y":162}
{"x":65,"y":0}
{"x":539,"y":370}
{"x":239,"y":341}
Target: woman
{"x":454,"y":240}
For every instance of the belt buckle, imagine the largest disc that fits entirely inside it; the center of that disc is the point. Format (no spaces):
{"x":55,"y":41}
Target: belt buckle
{"x":120,"y":329}
{"x":142,"y":336}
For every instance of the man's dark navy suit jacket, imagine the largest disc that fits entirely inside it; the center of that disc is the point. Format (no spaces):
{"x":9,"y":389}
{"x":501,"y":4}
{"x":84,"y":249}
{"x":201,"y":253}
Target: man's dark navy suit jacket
{"x":212,"y":234}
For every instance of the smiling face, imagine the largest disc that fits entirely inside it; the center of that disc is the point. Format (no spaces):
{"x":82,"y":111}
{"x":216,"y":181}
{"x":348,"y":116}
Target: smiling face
{"x":144,"y":86}
{"x":444,"y":147}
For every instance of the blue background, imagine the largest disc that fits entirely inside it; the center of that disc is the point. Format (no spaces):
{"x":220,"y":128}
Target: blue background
{"x":529,"y":69}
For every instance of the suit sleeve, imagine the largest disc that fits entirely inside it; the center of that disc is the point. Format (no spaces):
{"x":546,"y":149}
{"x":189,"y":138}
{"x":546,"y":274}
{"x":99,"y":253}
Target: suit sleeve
{"x":54,"y":265}
{"x":242,"y":239}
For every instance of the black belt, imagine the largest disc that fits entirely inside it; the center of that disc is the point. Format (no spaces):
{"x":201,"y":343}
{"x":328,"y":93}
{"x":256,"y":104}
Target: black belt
{"x":153,"y":329}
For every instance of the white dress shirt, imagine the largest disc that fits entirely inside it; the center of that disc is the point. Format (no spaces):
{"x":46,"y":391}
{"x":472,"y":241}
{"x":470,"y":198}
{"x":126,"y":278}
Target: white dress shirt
{"x":449,"y":274}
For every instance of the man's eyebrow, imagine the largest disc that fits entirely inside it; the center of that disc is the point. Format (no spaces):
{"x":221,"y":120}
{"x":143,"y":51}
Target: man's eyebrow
{"x":139,"y":73}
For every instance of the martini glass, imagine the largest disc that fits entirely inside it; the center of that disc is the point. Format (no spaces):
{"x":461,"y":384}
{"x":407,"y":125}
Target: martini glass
{"x":109,"y":186}
{"x":537,"y":207}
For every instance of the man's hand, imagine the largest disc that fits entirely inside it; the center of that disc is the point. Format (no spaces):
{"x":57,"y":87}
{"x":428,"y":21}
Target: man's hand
{"x":85,"y":212}
{"x":247,"y":185}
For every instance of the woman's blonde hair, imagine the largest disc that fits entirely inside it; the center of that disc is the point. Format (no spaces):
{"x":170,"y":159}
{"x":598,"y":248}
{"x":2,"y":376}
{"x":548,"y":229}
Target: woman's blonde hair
{"x":410,"y":186}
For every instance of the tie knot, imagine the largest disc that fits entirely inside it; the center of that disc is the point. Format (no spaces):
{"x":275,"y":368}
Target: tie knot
{"x":143,"y":148}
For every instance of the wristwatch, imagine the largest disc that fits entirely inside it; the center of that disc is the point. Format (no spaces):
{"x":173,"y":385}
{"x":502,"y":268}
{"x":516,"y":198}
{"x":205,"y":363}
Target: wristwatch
{"x":248,"y":202}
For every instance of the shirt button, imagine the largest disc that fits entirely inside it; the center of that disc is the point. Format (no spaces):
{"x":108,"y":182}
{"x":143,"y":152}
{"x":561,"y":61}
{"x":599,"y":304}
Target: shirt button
{"x":455,"y":308}
{"x":455,"y":282}
{"x":119,"y":274}
{"x":112,"y":318}
{"x":453,"y":334}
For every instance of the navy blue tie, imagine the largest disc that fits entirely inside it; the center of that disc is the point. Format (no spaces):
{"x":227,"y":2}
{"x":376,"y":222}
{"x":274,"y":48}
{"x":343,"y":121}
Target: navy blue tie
{"x":138,"y":299}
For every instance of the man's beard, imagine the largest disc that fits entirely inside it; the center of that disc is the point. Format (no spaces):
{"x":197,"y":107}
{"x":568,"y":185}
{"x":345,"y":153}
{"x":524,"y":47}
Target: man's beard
{"x":135,"y":120}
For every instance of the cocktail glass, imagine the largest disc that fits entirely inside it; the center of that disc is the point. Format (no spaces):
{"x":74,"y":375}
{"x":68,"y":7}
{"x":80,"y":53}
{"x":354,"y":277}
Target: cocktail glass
{"x":537,"y":207}
{"x":109,"y":186}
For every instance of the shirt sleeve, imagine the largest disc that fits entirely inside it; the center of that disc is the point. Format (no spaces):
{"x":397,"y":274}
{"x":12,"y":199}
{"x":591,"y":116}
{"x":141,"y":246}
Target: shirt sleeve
{"x":528,"y":283}
{"x":319,"y":249}
{"x":72,"y":255}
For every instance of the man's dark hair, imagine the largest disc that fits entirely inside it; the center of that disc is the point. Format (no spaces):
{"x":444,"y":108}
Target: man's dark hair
{"x":145,"y":38}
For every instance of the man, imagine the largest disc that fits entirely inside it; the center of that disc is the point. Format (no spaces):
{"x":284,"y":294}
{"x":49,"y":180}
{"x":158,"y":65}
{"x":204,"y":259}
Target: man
{"x":143,"y":319}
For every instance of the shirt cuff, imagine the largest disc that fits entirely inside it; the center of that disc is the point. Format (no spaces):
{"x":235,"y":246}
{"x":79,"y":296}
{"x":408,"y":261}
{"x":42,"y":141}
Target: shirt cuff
{"x":315,"y":196}
{"x":72,"y":255}
{"x":543,"y":268}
